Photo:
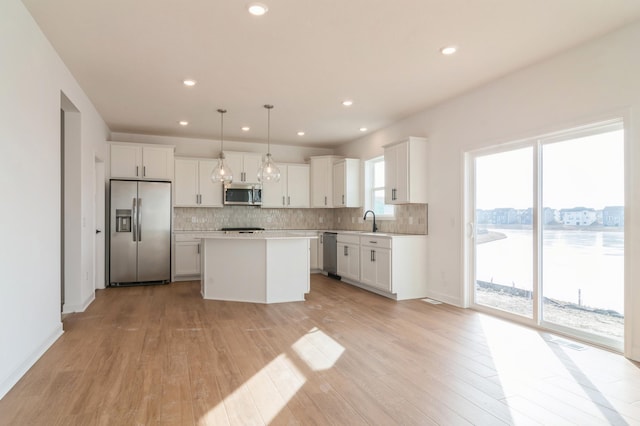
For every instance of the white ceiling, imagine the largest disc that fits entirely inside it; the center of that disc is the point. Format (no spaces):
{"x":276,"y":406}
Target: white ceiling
{"x":304,"y":57}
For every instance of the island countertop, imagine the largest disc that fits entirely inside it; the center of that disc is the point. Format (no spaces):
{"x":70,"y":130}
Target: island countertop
{"x":271,"y":235}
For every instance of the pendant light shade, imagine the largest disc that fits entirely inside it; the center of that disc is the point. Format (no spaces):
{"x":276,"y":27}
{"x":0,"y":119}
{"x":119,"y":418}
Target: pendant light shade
{"x":222,"y":172}
{"x":268,"y":171}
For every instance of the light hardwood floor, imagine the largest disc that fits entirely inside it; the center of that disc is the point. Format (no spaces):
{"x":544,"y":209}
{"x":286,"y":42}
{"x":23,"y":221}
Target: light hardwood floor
{"x":163,"y":355}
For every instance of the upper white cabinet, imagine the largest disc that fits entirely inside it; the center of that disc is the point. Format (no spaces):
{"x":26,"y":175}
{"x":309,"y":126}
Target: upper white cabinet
{"x":141,"y":161}
{"x":405,"y":171}
{"x":346,"y":183}
{"x":322,"y":180}
{"x":193,"y":186}
{"x":244,"y":165}
{"x":292,"y":191}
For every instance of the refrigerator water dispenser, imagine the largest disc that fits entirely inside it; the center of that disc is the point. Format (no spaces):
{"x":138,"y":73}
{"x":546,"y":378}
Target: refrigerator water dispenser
{"x":123,"y":220}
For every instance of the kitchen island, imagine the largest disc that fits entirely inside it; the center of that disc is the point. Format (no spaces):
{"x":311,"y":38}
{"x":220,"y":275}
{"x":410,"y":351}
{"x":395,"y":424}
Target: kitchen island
{"x":269,"y":267}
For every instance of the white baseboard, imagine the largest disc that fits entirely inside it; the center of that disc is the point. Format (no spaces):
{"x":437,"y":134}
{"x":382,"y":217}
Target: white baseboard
{"x":13,"y":377}
{"x":69,"y":308}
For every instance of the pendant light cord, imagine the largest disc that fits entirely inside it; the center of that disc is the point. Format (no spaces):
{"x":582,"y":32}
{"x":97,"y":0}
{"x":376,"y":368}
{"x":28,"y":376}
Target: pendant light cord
{"x":222,"y":111}
{"x":268,"y":107}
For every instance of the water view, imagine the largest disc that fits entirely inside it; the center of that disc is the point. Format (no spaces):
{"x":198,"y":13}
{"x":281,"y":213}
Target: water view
{"x":581,"y":267}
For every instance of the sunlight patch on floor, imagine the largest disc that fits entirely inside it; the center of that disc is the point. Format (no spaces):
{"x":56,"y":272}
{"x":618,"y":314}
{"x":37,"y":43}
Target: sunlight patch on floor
{"x":276,"y":383}
{"x":271,"y":389}
{"x":317,"y":350}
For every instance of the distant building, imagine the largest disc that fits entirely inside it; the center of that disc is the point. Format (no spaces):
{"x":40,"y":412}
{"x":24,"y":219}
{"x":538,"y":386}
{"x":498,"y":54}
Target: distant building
{"x":613,"y":216}
{"x":483,"y":216}
{"x":505,"y":216}
{"x":578,"y":216}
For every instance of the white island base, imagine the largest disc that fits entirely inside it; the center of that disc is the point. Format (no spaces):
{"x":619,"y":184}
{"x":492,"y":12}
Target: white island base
{"x":257,"y":268}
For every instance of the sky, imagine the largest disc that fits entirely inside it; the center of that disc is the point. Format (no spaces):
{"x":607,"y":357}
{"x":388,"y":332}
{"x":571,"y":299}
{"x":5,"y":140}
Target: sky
{"x":582,"y":172}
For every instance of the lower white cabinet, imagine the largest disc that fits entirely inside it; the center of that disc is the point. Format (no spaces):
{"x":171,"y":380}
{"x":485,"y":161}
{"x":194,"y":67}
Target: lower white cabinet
{"x":186,"y":254}
{"x":375,"y":262}
{"x":348,"y":248}
{"x":392,"y":265}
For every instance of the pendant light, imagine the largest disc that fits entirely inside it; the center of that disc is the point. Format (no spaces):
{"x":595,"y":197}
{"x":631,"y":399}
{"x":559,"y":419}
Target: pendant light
{"x":222,"y":172}
{"x":268,"y":171}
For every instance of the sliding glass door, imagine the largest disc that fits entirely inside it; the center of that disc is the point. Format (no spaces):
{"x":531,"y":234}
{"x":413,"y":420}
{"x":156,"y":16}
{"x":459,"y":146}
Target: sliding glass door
{"x":548,"y":232}
{"x":582,"y":260}
{"x":504,"y":233}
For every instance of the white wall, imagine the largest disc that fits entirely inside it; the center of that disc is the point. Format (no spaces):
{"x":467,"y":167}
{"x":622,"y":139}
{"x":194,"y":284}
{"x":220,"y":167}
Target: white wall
{"x":595,"y":81}
{"x":32,"y":77}
{"x":191,"y":147}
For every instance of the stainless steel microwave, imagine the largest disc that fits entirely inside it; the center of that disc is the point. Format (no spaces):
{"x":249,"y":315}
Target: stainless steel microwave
{"x":244,"y":194}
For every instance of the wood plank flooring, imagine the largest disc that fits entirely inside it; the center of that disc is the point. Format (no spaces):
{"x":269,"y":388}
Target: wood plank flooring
{"x":163,"y":355}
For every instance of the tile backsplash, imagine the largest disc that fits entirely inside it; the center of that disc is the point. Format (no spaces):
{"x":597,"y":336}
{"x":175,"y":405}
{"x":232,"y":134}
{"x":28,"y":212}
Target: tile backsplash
{"x":410,"y":219}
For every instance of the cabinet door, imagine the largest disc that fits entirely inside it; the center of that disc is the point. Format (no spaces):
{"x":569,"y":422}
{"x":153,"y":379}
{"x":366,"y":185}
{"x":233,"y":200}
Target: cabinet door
{"x":298,"y":186}
{"x":126,"y":161}
{"x":157,"y":163}
{"x":343,"y":259}
{"x":382,"y":261}
{"x":321,"y":182}
{"x":186,"y":183}
{"x":367,"y":266}
{"x":354,"y":262}
{"x":274,"y":194}
{"x":390,"y":171}
{"x":402,"y":173}
{"x":252,"y":163}
{"x":339,"y":184}
{"x":320,"y":250}
{"x":234,"y":160}
{"x":187,"y":258}
{"x":210,"y":192}
{"x":313,"y":253}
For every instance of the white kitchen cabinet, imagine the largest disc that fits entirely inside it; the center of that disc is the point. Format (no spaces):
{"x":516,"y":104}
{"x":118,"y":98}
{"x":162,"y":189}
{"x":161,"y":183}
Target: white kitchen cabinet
{"x":292,"y":191}
{"x":346,"y":183}
{"x":141,"y":161}
{"x":244,"y":165}
{"x":193,"y":186}
{"x":322,"y":180}
{"x":405,"y":171}
{"x":348,"y":253}
{"x":391,"y":265}
{"x":375,"y":262}
{"x":320,"y":250}
{"x":186,"y":265}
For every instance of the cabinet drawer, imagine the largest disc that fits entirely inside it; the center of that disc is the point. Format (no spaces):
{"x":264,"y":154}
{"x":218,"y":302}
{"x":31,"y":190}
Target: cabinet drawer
{"x":370,"y":241}
{"x":349,"y":238}
{"x":187,"y":237}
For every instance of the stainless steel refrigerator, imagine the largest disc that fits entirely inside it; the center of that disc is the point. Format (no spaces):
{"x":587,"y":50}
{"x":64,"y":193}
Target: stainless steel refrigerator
{"x":140,"y":237}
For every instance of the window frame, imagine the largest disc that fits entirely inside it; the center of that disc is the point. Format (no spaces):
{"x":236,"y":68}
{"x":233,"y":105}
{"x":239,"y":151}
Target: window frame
{"x":369,"y":189}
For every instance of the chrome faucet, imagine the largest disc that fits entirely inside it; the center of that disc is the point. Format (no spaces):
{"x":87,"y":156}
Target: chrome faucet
{"x":375,"y":228}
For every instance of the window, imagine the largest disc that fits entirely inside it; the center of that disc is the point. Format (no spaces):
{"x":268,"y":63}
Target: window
{"x":374,"y":189}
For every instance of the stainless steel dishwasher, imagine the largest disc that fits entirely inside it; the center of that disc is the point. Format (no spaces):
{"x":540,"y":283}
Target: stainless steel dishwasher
{"x":330,"y":254}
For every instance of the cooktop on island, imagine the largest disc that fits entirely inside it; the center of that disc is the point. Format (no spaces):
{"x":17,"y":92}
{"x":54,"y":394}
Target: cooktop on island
{"x":247,"y":230}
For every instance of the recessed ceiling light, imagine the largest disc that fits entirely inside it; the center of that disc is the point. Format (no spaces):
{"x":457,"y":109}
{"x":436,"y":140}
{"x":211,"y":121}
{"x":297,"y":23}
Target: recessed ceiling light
{"x":347,"y":102}
{"x":257,"y":9}
{"x":449,"y":50}
{"x":246,"y":128}
{"x":183,"y":123}
{"x":300,"y":133}
{"x":363,"y":129}
{"x":189,"y":83}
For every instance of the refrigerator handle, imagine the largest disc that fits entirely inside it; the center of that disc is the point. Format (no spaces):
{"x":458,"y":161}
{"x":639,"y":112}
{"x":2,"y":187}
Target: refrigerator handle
{"x":135,"y":219}
{"x":139,"y":219}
